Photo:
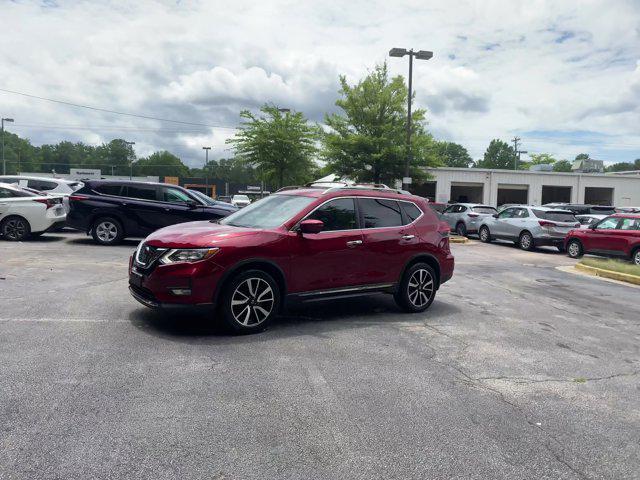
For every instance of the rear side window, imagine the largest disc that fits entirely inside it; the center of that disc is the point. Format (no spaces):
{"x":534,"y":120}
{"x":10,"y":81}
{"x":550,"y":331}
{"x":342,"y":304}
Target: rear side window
{"x":555,"y":216}
{"x":338,"y":214}
{"x":109,"y":189}
{"x":411,"y":211}
{"x":629,"y":224}
{"x":141,"y":192}
{"x":174,"y":195}
{"x":489,"y":210}
{"x":379,"y":212}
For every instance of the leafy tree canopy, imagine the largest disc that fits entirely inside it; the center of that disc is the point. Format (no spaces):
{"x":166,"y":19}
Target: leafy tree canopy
{"x":562,"y":166}
{"x":450,"y":154}
{"x":367,"y":140}
{"x":499,"y":154}
{"x":162,"y":163}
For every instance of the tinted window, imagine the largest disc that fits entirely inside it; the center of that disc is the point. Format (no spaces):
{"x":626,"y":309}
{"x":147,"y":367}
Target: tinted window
{"x":629,"y":224}
{"x":521,"y":213}
{"x":508,"y":213}
{"x":378,"y":212}
{"x":139,"y":191}
{"x":338,"y":214}
{"x":41,"y":185}
{"x":608,"y":223}
{"x":411,"y":211}
{"x":555,"y":216}
{"x":10,"y":193}
{"x":489,"y":210}
{"x":174,"y":195}
{"x":109,"y":189}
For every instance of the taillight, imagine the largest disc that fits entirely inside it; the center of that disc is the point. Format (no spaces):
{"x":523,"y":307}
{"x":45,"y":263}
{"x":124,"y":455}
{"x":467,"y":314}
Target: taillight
{"x":78,"y":198}
{"x":47,"y":201}
{"x":473,"y":215}
{"x":545,"y":224}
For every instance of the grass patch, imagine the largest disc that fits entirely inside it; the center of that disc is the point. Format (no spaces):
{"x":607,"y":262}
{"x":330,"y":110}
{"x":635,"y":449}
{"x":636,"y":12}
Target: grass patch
{"x":580,"y":380}
{"x":613,"y":265}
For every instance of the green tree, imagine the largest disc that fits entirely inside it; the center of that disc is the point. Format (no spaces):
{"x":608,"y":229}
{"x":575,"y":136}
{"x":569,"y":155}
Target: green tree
{"x":542,"y":159}
{"x":498,"y":155}
{"x":162,"y":164}
{"x":451,"y":154}
{"x":280,"y":145}
{"x":367,"y":142}
{"x":624,"y":166}
{"x":562,"y":166}
{"x":582,"y":156}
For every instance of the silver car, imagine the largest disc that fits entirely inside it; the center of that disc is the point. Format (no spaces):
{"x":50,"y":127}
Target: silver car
{"x":465,"y":218}
{"x":529,"y":227}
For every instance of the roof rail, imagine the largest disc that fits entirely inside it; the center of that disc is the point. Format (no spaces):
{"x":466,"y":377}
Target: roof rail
{"x":363,"y":187}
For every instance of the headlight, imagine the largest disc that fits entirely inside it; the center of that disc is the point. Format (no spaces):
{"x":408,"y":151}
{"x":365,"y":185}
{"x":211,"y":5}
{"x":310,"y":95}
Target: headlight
{"x":188,"y":255}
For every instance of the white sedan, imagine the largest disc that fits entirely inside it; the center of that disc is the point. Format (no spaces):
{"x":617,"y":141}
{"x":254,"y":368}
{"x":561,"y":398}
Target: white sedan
{"x":23,"y":213}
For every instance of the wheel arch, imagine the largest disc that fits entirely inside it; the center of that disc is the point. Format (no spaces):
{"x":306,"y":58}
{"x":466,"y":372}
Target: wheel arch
{"x":258,"y":264}
{"x":427,"y":258}
{"x":15,"y":215}
{"x":95,"y":216}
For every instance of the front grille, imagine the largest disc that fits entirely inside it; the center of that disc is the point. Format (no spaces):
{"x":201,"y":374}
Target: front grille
{"x":147,"y":255}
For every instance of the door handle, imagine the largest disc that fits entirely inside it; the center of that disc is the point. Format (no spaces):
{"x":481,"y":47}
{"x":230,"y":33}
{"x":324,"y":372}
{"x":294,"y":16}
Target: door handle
{"x":354,"y":243}
{"x":408,"y":237}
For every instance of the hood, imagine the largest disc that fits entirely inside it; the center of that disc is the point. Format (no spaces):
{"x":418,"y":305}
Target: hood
{"x":196,"y":235}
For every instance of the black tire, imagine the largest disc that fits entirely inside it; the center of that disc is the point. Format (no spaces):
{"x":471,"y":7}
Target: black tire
{"x":461,"y":229}
{"x":561,"y":248}
{"x":635,"y":256}
{"x":575,"y":249}
{"x":260,"y":297}
{"x":484,"y":234}
{"x":107,"y":231}
{"x":525,"y":241}
{"x":416,"y":295}
{"x":15,"y":228}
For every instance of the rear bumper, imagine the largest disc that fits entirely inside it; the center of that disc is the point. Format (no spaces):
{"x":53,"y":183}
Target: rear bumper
{"x":446,"y":269}
{"x":549,"y":241}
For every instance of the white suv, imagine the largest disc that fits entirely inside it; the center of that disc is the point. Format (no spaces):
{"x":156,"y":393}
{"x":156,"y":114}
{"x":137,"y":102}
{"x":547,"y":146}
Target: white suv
{"x":24,"y":213}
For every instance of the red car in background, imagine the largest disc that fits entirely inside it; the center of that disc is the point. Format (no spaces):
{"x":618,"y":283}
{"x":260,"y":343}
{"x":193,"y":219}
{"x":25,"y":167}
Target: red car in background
{"x":616,"y":236}
{"x":305,"y":244}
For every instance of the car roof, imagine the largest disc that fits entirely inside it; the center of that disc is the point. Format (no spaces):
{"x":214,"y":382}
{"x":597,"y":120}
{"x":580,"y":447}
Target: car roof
{"x":473,"y":205}
{"x":95,"y":183}
{"x":625,"y":215}
{"x":10,"y":186}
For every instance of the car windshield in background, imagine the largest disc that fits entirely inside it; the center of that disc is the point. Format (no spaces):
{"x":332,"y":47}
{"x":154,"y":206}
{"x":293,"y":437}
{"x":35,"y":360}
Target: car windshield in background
{"x":439,"y":207}
{"x":201,"y":196}
{"x":489,"y":210}
{"x":555,"y":216}
{"x":269,"y":212}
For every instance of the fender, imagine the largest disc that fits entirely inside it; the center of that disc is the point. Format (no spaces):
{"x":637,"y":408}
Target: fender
{"x":282,"y":281}
{"x":431,"y":259}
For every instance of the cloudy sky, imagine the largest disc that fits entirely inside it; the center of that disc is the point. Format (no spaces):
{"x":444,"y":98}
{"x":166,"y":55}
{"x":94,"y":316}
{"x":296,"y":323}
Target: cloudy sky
{"x":563,"y":75}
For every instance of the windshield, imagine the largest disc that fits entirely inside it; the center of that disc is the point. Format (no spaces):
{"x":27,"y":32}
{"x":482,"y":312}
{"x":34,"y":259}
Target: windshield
{"x":241,"y":197}
{"x":269,"y":212}
{"x":203,"y":197}
{"x":555,"y":215}
{"x":489,"y":210}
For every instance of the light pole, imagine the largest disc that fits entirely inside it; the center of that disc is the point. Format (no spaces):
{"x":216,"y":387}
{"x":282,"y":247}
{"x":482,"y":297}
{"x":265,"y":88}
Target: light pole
{"x":206,"y":156}
{"x":420,"y":55}
{"x":131,"y":163}
{"x":4,"y":163}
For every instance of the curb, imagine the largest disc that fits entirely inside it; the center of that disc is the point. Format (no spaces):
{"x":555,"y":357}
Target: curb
{"x":601,"y":272}
{"x":458,"y":239}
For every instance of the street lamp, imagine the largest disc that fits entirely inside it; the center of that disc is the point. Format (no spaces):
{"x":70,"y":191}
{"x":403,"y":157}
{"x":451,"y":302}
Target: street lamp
{"x":131,"y":163}
{"x":420,"y":55}
{"x":4,"y":163}
{"x":206,"y":156}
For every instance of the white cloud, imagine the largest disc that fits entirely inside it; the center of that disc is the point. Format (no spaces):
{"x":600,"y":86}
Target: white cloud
{"x":562,"y":75}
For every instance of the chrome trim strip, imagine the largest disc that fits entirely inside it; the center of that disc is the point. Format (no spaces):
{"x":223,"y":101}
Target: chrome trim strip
{"x":362,"y":288}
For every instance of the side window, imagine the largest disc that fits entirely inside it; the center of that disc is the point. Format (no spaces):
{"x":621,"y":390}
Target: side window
{"x":507,"y":213}
{"x":141,"y":192}
{"x":379,"y":212}
{"x":174,"y":195}
{"x":411,"y":211}
{"x":461,"y":208}
{"x":449,"y":209}
{"x":608,"y":224}
{"x":41,"y":185}
{"x":629,"y":224}
{"x":109,"y":189}
{"x":521,"y":213}
{"x":338,"y":214}
{"x":5,"y":193}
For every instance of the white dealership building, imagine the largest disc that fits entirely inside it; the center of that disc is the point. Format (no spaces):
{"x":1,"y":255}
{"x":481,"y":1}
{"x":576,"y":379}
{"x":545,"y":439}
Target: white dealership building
{"x":497,"y":187}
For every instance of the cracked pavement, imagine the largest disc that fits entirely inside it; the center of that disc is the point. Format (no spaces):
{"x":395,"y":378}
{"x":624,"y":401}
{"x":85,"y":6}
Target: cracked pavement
{"x":518,"y":370}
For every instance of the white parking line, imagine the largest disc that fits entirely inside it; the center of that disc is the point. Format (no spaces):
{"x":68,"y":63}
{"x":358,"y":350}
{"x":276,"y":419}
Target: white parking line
{"x":62,"y":320}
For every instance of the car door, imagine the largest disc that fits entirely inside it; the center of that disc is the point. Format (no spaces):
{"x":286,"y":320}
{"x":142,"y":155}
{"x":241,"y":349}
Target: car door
{"x":500,"y":227}
{"x":333,"y":258}
{"x":625,"y":236}
{"x":599,"y":238}
{"x":448,"y":215}
{"x":180,"y":207}
{"x":517,"y":223}
{"x":388,"y":241}
{"x":141,"y":209}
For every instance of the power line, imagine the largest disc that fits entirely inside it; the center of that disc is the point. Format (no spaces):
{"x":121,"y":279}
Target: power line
{"x":115,"y":112}
{"x":107,"y":127}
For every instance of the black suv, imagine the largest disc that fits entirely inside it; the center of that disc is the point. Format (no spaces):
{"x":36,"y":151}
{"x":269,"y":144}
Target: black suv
{"x":113,"y":210}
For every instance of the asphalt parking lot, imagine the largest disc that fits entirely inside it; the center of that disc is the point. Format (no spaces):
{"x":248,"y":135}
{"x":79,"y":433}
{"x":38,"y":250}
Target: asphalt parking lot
{"x":518,"y":370}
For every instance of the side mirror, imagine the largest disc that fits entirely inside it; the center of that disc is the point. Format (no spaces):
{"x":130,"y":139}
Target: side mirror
{"x":311,"y":226}
{"x":495,"y":215}
{"x":192,"y":204}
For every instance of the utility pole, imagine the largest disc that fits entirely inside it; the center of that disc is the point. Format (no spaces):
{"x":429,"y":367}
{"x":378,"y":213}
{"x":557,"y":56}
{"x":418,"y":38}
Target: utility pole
{"x":4,"y":163}
{"x":516,"y":154}
{"x":420,"y":55}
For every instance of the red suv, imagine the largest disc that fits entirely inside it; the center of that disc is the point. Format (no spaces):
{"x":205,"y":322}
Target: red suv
{"x":617,"y":235}
{"x":305,"y":244}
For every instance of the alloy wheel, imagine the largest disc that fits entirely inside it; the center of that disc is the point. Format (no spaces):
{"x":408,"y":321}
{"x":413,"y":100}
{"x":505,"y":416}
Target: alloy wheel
{"x":15,"y":229}
{"x":574,"y":250}
{"x":106,"y":231}
{"x":484,"y":234}
{"x":525,"y":241}
{"x":420,"y":288}
{"x":636,"y":257}
{"x":252,"y":301}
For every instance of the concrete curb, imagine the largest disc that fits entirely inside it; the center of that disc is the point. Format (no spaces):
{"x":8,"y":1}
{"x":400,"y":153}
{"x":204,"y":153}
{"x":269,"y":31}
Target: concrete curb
{"x":601,"y":272}
{"x":458,"y":239}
